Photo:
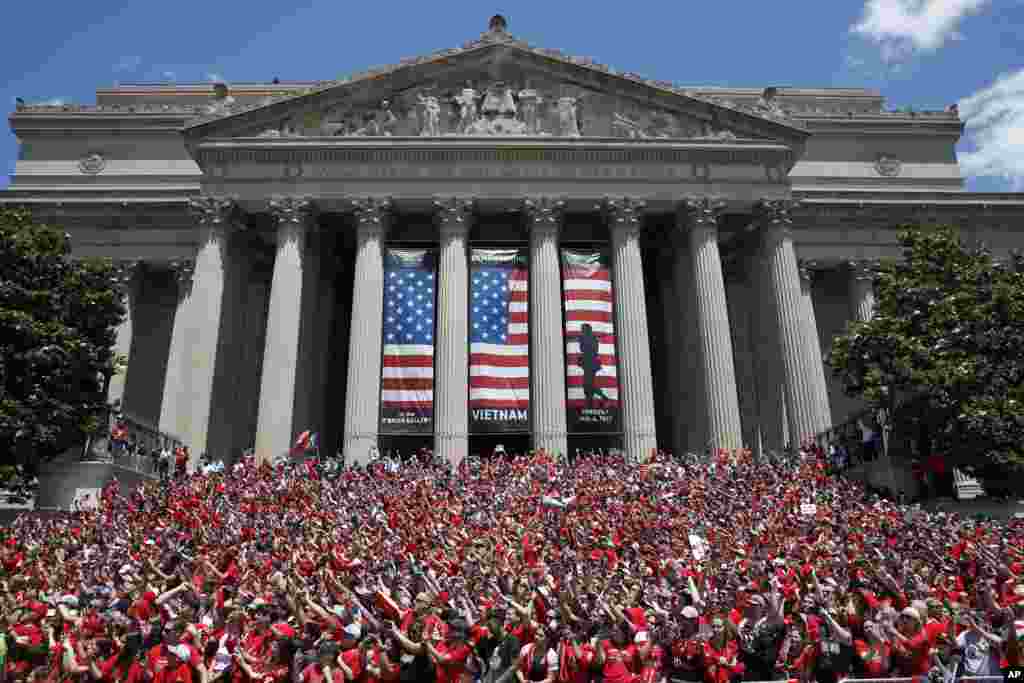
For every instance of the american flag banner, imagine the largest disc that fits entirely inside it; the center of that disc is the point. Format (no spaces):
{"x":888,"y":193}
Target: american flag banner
{"x":591,"y":370}
{"x":499,"y":341}
{"x":407,"y":370}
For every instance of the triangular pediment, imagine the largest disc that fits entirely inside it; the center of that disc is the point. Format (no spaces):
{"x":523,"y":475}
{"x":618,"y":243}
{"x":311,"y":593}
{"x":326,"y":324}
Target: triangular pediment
{"x":497,"y":85}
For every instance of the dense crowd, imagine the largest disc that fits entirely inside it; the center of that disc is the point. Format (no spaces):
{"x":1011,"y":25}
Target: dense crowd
{"x":510,"y":569}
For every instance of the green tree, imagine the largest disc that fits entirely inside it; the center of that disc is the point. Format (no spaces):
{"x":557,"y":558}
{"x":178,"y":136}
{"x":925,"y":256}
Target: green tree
{"x":948,"y":334}
{"x":58,"y":321}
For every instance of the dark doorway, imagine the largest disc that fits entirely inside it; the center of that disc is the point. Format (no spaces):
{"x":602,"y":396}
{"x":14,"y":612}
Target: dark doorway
{"x":404,"y":446}
{"x":584,"y":443}
{"x":483,"y":445}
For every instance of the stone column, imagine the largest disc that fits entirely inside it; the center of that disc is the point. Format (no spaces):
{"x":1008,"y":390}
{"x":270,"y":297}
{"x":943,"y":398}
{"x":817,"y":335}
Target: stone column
{"x":636,"y":390}
{"x":174,"y":417}
{"x":547,"y":374}
{"x":215,"y":218}
{"x":451,"y":385}
{"x":813,"y":343}
{"x":721,"y":403}
{"x":862,"y":289}
{"x":284,"y":324}
{"x":129,"y":275}
{"x":362,"y":392}
{"x":785,"y":284}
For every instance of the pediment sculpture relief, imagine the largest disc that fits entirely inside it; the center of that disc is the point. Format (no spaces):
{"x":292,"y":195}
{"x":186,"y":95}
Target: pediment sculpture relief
{"x":499,"y":108}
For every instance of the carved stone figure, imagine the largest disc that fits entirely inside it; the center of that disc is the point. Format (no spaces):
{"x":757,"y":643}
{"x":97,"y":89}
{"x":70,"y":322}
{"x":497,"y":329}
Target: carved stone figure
{"x":431,"y":116}
{"x":467,"y":109}
{"x":499,"y":101}
{"x":379,"y":123}
{"x":567,"y":124}
{"x":767,"y":104}
{"x":627,"y":127}
{"x":529,"y":104}
{"x":888,"y":166}
{"x":91,"y":164}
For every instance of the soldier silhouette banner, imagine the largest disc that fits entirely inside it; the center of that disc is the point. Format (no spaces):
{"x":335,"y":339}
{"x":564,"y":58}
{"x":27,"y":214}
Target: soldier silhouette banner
{"x":591,"y":368}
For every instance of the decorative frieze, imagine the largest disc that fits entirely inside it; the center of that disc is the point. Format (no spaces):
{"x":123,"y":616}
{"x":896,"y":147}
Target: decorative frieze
{"x":637,"y":152}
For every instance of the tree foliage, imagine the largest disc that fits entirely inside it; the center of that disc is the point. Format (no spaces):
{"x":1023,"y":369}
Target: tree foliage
{"x":949,"y":332}
{"x":58,"y":320}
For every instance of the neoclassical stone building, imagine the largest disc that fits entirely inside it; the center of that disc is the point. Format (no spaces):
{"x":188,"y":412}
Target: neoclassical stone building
{"x":491,"y":244}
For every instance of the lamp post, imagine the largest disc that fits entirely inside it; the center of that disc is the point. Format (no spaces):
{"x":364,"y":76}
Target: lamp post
{"x":884,"y":417}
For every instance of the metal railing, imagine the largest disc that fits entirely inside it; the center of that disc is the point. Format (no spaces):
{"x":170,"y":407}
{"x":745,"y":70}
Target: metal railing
{"x":142,"y":440}
{"x":918,"y":679}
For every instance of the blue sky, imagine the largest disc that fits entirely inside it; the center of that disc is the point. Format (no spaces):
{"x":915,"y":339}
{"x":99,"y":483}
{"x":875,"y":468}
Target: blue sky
{"x":926,"y":54}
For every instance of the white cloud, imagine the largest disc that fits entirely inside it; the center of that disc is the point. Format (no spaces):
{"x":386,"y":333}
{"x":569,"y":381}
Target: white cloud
{"x":128,"y":64}
{"x":901,"y":27}
{"x":995,"y":125}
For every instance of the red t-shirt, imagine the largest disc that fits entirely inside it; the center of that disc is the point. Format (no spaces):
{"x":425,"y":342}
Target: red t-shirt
{"x":918,"y":653}
{"x":165,"y":667}
{"x":353,"y":659}
{"x":314,"y":674}
{"x":617,"y":663}
{"x":452,"y":670}
{"x":873,"y":658}
{"x":114,"y":673}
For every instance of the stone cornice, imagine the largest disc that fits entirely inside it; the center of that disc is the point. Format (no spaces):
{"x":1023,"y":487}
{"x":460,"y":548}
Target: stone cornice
{"x":903,"y":197}
{"x":415,"y":150}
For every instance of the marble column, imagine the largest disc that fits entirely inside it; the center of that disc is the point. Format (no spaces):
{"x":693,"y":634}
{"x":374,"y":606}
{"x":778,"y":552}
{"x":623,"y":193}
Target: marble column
{"x":274,"y":431}
{"x":862,"y":289}
{"x":451,"y":375}
{"x":362,"y":389}
{"x":216,"y":223}
{"x":721,"y":402}
{"x":174,"y":415}
{"x":812,"y":341}
{"x":547,"y":360}
{"x":129,"y":276}
{"x":789,"y":313}
{"x":636,"y":390}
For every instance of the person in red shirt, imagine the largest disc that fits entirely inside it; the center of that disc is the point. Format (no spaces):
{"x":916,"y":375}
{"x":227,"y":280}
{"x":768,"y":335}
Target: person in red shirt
{"x":325,"y":668}
{"x":650,"y":656}
{"x":874,"y":652}
{"x":616,"y":658}
{"x":721,"y":653}
{"x":911,"y":641}
{"x":538,"y":661}
{"x":124,"y":666}
{"x":450,"y":655}
{"x":169,"y":664}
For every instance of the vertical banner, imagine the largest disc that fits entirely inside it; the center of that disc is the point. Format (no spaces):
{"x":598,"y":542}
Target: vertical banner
{"x":407,"y":368}
{"x":499,"y":341}
{"x":591,"y":371}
